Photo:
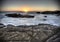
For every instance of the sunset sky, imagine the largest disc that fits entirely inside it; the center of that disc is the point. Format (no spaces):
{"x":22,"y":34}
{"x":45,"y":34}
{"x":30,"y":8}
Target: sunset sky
{"x":29,"y":5}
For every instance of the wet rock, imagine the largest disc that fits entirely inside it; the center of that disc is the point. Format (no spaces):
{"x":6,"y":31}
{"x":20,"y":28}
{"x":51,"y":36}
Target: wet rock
{"x":2,"y":25}
{"x":9,"y":25}
{"x":15,"y":15}
{"x":38,"y":12}
{"x":45,"y":16}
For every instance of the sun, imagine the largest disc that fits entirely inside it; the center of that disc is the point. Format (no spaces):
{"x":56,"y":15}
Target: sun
{"x":25,"y":8}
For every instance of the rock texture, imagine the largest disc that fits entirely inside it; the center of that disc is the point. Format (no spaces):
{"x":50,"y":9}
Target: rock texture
{"x":2,"y":25}
{"x":37,"y":33}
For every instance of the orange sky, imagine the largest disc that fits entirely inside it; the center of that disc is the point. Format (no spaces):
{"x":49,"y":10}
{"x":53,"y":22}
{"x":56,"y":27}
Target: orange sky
{"x":28,"y":8}
{"x":29,"y":5}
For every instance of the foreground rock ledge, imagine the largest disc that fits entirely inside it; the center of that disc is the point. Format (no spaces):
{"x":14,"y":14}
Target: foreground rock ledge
{"x":37,"y":33}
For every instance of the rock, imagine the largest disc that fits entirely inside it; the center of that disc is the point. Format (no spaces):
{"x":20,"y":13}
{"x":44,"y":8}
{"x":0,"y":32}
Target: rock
{"x":9,"y":25}
{"x":2,"y":25}
{"x":38,"y":12}
{"x":54,"y":38}
{"x":15,"y":15}
{"x":45,"y":16}
{"x":28,"y":33}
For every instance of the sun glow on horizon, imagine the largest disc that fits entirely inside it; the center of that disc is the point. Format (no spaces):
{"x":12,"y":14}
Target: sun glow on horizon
{"x":25,"y":8}
{"x":28,"y":8}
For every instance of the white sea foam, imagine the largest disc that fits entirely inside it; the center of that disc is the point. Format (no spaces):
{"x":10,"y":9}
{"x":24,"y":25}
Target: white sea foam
{"x":38,"y":19}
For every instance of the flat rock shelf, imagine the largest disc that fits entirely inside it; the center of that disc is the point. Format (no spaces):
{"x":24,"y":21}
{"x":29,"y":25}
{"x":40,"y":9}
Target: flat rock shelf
{"x":36,"y":33}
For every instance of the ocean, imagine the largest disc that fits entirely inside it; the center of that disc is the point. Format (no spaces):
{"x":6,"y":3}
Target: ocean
{"x":52,"y":19}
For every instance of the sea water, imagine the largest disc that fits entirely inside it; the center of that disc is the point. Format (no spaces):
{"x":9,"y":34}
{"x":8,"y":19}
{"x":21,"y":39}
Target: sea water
{"x":38,"y":19}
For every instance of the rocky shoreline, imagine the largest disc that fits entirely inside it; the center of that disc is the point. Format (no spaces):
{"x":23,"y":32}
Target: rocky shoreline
{"x":36,"y":33}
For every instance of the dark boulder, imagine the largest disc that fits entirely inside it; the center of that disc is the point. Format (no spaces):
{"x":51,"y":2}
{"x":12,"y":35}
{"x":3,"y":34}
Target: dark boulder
{"x":38,"y":12}
{"x":15,"y":15}
{"x":2,"y":25}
